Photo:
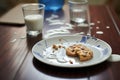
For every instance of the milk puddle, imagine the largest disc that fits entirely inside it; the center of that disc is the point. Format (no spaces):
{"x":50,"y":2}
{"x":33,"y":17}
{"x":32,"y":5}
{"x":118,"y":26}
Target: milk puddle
{"x":114,"y":58}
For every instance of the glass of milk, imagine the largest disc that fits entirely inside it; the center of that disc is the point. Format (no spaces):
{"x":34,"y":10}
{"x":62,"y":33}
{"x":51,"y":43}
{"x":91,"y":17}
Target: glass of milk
{"x":79,"y":15}
{"x":34,"y":18}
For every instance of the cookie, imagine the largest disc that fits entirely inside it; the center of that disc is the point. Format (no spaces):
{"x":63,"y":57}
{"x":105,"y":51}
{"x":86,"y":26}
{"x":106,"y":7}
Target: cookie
{"x":79,"y":50}
{"x":85,"y":55}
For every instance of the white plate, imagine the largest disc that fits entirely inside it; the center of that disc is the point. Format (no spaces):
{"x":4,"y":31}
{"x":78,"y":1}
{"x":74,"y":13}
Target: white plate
{"x":101,"y":50}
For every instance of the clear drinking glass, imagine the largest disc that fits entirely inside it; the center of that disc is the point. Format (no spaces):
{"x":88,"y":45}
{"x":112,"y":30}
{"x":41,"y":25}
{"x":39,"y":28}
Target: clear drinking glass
{"x":34,"y":17}
{"x":79,"y":15}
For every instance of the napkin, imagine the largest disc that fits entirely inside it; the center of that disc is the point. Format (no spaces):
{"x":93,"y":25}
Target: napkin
{"x":13,"y":16}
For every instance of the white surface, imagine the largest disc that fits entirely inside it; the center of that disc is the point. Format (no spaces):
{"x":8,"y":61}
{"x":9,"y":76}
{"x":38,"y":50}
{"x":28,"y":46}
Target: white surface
{"x":114,"y":58}
{"x":101,"y":51}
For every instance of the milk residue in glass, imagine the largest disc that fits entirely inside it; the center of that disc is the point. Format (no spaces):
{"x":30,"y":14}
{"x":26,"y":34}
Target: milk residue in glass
{"x":78,"y":15}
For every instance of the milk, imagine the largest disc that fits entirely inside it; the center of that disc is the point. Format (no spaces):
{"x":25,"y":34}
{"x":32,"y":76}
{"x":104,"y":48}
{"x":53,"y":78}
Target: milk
{"x":34,"y":22}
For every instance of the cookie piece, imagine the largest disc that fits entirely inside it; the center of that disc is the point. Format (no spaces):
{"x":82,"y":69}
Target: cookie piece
{"x":71,"y":50}
{"x":79,"y":50}
{"x":85,"y":55}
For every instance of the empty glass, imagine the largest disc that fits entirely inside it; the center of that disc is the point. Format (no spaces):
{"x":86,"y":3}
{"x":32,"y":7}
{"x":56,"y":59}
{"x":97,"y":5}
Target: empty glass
{"x":79,"y":15}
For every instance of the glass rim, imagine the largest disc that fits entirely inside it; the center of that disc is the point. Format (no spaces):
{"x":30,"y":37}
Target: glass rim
{"x":27,"y":5}
{"x":78,"y":2}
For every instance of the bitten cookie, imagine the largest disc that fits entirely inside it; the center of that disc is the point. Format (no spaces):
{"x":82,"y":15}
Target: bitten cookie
{"x":79,"y":50}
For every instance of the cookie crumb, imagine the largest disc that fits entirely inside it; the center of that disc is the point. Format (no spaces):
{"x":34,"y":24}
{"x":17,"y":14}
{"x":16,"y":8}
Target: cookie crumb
{"x":55,"y":47}
{"x":71,"y":62}
{"x":98,"y":22}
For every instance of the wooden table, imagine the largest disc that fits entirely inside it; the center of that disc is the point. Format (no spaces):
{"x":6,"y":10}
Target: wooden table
{"x":18,"y":63}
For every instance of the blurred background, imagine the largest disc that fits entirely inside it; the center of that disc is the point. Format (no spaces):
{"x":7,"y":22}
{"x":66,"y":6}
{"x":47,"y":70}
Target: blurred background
{"x":6,"y":5}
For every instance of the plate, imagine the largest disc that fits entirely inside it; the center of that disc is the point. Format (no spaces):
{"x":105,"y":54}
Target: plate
{"x":42,"y":51}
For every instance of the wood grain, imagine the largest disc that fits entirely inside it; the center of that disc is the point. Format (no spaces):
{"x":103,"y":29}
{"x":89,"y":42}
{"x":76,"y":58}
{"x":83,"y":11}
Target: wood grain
{"x":18,"y":63}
